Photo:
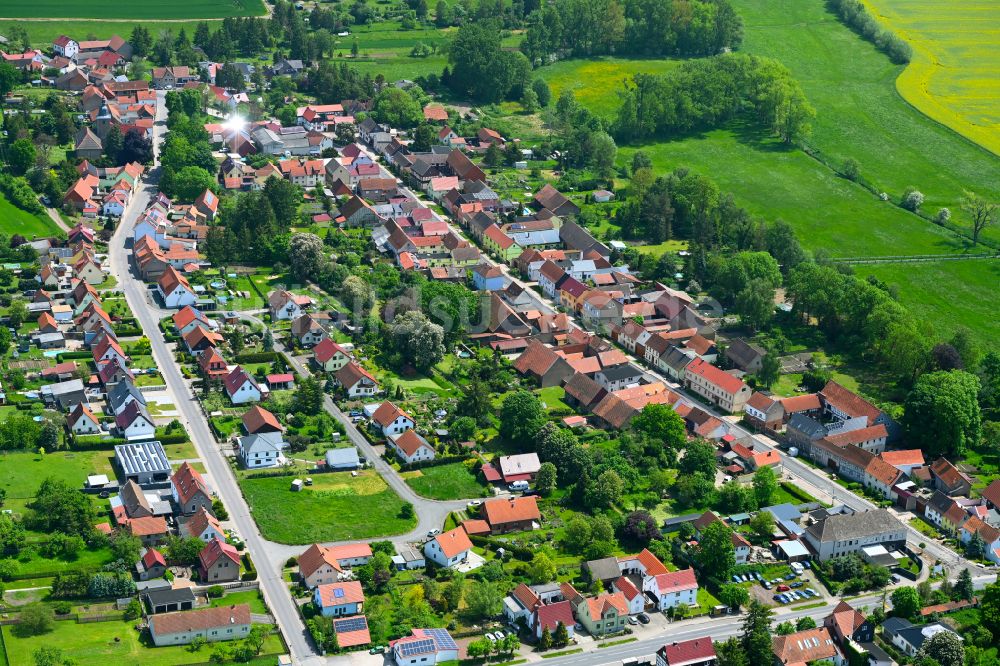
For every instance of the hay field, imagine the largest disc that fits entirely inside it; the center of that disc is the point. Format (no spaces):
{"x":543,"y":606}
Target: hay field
{"x":955,"y":74}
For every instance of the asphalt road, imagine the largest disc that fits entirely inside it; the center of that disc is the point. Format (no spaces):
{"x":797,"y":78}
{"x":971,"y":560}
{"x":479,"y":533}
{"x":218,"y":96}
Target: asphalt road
{"x":223,"y":481}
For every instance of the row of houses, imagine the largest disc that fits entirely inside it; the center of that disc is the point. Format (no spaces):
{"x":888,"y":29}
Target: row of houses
{"x":104,"y":191}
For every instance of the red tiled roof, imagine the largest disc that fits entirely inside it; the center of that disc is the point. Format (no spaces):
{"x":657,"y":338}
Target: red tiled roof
{"x":453,"y":542}
{"x":512,"y":510}
{"x":188,"y":481}
{"x":387,"y":412}
{"x":215,"y":550}
{"x":694,"y":651}
{"x":550,"y":615}
{"x":713,"y":375}
{"x":905,"y":457}
{"x":350,"y":593}
{"x":801,"y":403}
{"x":849,"y":402}
{"x":199,"y":620}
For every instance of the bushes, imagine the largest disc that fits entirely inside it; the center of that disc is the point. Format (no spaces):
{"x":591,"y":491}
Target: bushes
{"x":19,"y":192}
{"x":250,"y":572}
{"x":443,"y":460}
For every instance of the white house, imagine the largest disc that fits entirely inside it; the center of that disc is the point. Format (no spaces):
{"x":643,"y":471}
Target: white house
{"x":673,"y":588}
{"x":174,"y":289}
{"x":450,"y":548}
{"x":83,"y":422}
{"x":411,"y":447}
{"x":134,"y":422}
{"x":425,"y":647}
{"x":391,"y":420}
{"x":358,"y":382}
{"x":241,"y":387}
{"x":283,"y":304}
{"x":262,"y":449}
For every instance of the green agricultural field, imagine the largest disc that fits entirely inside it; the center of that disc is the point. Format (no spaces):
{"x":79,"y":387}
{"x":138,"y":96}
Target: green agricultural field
{"x":111,"y":643}
{"x":333,"y":503}
{"x":947,"y":294}
{"x":445,"y":482}
{"x":149,"y":9}
{"x":859,"y":113}
{"x":954,"y":76}
{"x":13,"y":220}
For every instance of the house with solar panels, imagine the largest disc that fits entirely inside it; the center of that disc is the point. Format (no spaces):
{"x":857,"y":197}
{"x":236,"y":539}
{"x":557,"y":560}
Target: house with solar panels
{"x":339,"y":599}
{"x":424,"y":647}
{"x":352,"y":631}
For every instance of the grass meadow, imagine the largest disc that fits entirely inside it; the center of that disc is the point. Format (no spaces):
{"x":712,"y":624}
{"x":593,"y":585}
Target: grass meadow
{"x":947,"y":294}
{"x":954,"y":76}
{"x":445,"y":482}
{"x":334,"y":503}
{"x":149,"y":9}
{"x":13,"y":220}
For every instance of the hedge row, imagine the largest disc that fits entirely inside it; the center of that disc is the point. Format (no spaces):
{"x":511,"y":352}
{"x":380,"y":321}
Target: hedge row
{"x":520,"y":552}
{"x":258,"y":357}
{"x":250,"y":572}
{"x":443,"y":460}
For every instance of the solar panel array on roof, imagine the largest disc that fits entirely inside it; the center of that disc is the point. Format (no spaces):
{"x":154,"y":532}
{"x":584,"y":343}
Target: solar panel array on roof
{"x":417,"y":647}
{"x":350,"y":624}
{"x":443,"y":639}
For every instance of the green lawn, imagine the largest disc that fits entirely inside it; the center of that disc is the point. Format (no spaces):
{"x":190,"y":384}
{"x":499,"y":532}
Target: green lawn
{"x":250,"y":597}
{"x":22,"y":472}
{"x":110,"y":643}
{"x":445,"y":482}
{"x":339,"y":507}
{"x":948,"y":294}
{"x":150,"y":9}
{"x":553,"y":397}
{"x":13,"y":220}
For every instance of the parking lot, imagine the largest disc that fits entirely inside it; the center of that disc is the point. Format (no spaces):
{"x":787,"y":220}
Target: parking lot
{"x":782,"y":585}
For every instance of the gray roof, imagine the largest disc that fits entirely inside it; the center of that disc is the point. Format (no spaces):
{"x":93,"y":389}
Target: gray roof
{"x":262,"y":441}
{"x":940,"y":502}
{"x":341,"y":457}
{"x":62,"y":388}
{"x":742,"y":353}
{"x":44,"y":338}
{"x":169,"y":596}
{"x":619,"y":372}
{"x":855,"y":526}
{"x":603,"y":569}
{"x":784,"y":511}
{"x":142,"y":458}
{"x":120,"y":393}
{"x":808,"y":426}
{"x":577,"y":238}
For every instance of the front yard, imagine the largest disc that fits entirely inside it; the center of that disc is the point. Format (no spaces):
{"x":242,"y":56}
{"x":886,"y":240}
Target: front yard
{"x":446,"y":482}
{"x":337,"y":507}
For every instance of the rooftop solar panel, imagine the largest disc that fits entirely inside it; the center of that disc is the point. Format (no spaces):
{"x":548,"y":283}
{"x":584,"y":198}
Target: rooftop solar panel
{"x":442,"y":638}
{"x":338,"y":592}
{"x":350,"y":624}
{"x":417,"y":647}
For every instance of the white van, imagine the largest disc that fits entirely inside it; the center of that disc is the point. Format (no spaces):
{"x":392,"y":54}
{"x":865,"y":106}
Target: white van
{"x":519,"y":485}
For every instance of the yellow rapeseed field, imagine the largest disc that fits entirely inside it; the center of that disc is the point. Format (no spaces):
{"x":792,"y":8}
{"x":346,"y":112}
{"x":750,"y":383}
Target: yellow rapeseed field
{"x":954,"y":76}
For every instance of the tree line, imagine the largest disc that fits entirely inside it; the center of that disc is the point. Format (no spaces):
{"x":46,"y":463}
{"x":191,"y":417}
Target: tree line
{"x":707,"y":93}
{"x":631,"y":27}
{"x":855,"y":15}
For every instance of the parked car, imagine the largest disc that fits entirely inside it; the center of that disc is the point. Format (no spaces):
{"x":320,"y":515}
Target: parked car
{"x":791,"y":576}
{"x":643,"y":618}
{"x":812,"y":592}
{"x":783,"y":588}
{"x":736,"y":578}
{"x":378,"y":649}
{"x":499,"y":635}
{"x":759,"y":577}
{"x":434,"y":532}
{"x":797,"y":584}
{"x":491,"y":637}
{"x":632,"y":620}
{"x":766,"y":585}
